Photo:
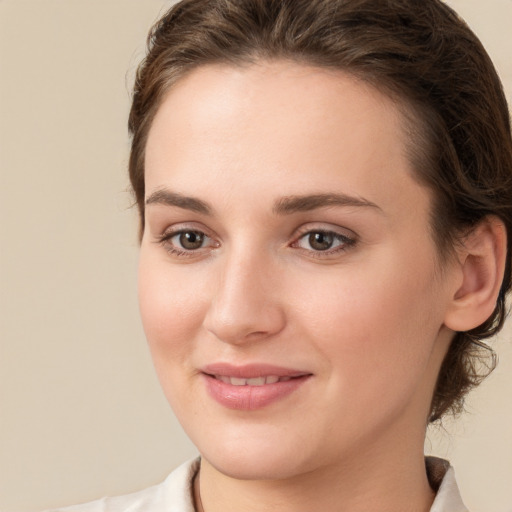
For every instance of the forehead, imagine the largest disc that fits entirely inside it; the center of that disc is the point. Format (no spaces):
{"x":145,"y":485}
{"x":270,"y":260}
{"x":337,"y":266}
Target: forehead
{"x":288,"y":124}
{"x":270,"y":93}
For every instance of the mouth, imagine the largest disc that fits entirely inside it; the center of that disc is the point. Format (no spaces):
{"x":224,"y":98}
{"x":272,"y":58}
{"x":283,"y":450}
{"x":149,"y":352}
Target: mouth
{"x":255,"y":374}
{"x":254,"y":381}
{"x":251,"y":387}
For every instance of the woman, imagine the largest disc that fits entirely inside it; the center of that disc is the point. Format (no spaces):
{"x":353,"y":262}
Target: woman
{"x":325,"y":195}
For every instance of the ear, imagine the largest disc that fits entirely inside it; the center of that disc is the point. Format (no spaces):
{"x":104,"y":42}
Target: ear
{"x":481,"y":261}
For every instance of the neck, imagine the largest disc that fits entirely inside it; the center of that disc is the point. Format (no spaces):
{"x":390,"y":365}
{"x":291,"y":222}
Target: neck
{"x":371,"y":481}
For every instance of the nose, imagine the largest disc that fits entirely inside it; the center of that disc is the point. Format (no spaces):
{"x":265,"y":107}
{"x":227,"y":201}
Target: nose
{"x":245,"y":305}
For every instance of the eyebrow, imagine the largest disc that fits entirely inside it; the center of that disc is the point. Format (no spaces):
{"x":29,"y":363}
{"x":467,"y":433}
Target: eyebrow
{"x":293,"y":204}
{"x":168,"y":198}
{"x":283,"y":206}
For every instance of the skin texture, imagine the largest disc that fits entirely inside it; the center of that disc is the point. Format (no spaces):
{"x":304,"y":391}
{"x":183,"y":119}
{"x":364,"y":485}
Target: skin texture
{"x":367,"y":318}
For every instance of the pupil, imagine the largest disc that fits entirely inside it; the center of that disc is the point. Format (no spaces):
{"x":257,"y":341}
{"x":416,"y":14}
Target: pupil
{"x":320,"y":241}
{"x":191,"y":240}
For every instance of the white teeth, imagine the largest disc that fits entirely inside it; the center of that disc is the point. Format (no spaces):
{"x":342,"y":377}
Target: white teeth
{"x":255,"y":381}
{"x":235,"y":381}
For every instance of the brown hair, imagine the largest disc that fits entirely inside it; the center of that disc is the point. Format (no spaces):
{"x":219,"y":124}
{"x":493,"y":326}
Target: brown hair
{"x":422,"y":55}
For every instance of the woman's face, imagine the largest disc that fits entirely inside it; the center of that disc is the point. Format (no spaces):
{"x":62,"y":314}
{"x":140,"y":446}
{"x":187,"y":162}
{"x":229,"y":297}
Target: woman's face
{"x":289,"y":286}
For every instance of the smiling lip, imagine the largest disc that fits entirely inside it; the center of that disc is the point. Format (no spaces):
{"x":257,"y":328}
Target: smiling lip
{"x":251,"y":387}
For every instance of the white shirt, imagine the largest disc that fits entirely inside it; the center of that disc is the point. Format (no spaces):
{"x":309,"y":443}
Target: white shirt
{"x":174,"y":494}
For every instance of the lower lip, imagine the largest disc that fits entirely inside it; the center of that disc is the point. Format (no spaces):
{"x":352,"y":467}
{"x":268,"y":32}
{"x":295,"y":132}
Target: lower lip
{"x":250,"y":398}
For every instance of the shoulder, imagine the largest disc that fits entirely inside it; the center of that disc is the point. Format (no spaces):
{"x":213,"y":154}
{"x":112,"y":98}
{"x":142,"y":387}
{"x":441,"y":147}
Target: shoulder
{"x":174,"y":494}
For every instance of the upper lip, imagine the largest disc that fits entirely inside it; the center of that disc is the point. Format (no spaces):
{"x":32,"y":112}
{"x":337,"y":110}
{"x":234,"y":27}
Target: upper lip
{"x":251,"y":371}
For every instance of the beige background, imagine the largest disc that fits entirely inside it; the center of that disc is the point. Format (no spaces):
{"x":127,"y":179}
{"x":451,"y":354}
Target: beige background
{"x":81,"y":413}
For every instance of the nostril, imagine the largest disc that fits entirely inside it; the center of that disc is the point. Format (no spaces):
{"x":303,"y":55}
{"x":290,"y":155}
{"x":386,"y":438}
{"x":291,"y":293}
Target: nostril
{"x":242,"y":310}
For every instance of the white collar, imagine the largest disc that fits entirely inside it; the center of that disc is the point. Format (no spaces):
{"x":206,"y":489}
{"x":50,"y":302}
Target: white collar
{"x":441,"y":477}
{"x":175,"y":494}
{"x":440,"y":474}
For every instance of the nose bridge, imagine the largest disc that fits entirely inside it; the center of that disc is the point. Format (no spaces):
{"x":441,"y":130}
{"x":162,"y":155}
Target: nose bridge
{"x":244,"y":303}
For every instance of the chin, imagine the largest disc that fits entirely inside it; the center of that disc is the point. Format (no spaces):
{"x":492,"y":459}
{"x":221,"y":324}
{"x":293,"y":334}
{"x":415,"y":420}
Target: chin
{"x":256,"y":467}
{"x":258,"y":458}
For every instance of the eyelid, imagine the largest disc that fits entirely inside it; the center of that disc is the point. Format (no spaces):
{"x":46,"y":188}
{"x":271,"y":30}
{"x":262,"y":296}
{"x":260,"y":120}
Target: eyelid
{"x":325,"y":228}
{"x":179,"y":227}
{"x":164,"y":239}
{"x":347,"y":236}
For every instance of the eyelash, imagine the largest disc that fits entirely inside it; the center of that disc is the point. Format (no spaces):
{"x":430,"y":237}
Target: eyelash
{"x":345,"y":242}
{"x":166,"y":237}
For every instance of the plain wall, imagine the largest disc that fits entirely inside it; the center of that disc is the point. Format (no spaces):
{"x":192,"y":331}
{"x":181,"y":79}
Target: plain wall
{"x":81,"y":412}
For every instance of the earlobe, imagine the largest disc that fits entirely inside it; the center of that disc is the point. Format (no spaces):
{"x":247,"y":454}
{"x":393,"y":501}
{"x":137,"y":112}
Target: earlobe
{"x":482,"y":264}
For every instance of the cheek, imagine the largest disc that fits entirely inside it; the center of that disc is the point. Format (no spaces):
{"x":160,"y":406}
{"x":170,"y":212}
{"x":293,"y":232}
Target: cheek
{"x":172,"y":312}
{"x":375,"y":326}
{"x":171,"y":309}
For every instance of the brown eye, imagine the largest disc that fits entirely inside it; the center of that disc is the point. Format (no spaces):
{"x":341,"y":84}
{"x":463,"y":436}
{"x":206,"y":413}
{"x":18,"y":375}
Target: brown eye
{"x":191,"y":240}
{"x":187,"y":243}
{"x":320,"y":241}
{"x":328,"y":242}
